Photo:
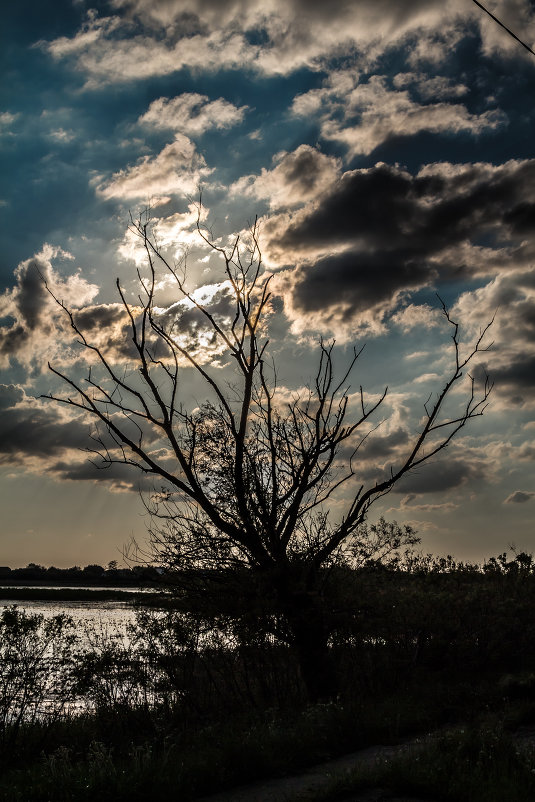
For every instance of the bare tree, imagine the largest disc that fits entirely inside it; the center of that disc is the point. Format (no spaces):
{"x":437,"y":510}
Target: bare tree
{"x":246,"y":479}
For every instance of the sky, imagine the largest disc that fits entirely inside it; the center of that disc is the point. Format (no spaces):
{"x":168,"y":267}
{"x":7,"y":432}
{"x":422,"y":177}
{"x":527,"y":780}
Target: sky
{"x":387,"y":149}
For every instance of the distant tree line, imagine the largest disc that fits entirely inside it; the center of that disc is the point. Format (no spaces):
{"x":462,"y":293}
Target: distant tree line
{"x":92,"y":574}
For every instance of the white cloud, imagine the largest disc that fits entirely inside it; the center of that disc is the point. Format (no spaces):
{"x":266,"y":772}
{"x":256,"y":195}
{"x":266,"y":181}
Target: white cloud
{"x":518,"y":16}
{"x":436,"y":88}
{"x":176,"y":170}
{"x":371,"y":113}
{"x":166,"y":36}
{"x":192,"y":113}
{"x":63,"y":136}
{"x":107,"y":59}
{"x":6,"y":118}
{"x":177,"y":232}
{"x":421,"y":316}
{"x":510,"y":299}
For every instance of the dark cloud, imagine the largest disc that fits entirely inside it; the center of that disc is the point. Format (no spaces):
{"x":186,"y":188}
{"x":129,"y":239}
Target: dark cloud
{"x":358,"y":283}
{"x":381,"y":231}
{"x":389,"y":209}
{"x":13,"y":339}
{"x":34,"y":431}
{"x":32,"y":296}
{"x":519,"y":497}
{"x":436,"y":477}
{"x":99,"y":316}
{"x":10,"y":394}
{"x":379,"y":447}
{"x":25,"y":305}
{"x":518,"y":374}
{"x":121,"y":478}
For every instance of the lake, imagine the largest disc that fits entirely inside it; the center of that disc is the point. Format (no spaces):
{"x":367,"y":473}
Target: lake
{"x":102,"y":616}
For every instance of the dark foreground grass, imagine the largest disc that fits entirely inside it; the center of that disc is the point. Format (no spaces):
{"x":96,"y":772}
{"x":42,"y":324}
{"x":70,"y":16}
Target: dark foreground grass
{"x":466,"y":764}
{"x":142,"y":754}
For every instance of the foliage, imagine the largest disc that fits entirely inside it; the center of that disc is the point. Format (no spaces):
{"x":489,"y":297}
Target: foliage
{"x":480,"y":763}
{"x":417,"y":642}
{"x":36,"y":668}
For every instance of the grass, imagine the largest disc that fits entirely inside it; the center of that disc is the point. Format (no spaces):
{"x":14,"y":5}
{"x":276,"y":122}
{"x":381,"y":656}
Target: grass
{"x":482,"y":763}
{"x":140,"y":754}
{"x":77,"y":594}
{"x":476,"y":763}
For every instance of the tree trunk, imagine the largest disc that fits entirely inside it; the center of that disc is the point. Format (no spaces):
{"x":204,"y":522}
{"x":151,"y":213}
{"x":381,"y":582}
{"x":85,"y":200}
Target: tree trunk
{"x":315,"y":659}
{"x":306,"y":616}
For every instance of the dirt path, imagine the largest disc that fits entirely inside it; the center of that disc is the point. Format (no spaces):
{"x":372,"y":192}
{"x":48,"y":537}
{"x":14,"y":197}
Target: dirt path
{"x":290,"y":789}
{"x":285,"y":789}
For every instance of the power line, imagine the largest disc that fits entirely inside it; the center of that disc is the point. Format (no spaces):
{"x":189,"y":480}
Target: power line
{"x":510,"y":32}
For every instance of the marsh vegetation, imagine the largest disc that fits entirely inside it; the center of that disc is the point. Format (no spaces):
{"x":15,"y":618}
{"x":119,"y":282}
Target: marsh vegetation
{"x":417,"y":643}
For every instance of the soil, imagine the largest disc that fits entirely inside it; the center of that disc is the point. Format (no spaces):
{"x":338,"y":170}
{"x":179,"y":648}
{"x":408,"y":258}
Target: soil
{"x":318,"y":777}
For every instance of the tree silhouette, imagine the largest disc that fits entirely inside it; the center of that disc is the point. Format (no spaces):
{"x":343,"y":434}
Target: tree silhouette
{"x":247,"y":477}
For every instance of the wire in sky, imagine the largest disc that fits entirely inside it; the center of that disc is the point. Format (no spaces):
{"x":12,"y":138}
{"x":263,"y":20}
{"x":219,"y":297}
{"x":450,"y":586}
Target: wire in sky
{"x":528,"y":48}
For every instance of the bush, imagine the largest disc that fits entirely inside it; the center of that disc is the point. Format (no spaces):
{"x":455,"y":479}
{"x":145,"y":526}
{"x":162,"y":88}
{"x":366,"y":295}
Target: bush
{"x":37,"y":658}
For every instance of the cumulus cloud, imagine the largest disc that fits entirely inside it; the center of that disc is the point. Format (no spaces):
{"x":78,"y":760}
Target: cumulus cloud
{"x":416,"y":316}
{"x":272,"y":36}
{"x":117,"y":478}
{"x":192,"y":113}
{"x":510,"y":299}
{"x":518,"y":16}
{"x":188,"y":327}
{"x":177,"y":232}
{"x":371,"y":113}
{"x":44,"y":438}
{"x":177,"y":169}
{"x":7,"y":119}
{"x":31,"y":315}
{"x":31,"y":429}
{"x":108,"y":50}
{"x":377,"y":234}
{"x":297,"y":177}
{"x":445,"y":474}
{"x":10,"y":395}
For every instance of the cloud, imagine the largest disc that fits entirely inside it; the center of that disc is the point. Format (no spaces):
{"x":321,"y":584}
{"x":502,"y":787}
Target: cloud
{"x":117,"y":478}
{"x":177,"y":232}
{"x":510,"y":297}
{"x":439,"y":87}
{"x":189,"y":328}
{"x":447,"y":473}
{"x":7,"y":118}
{"x":29,"y":428}
{"x":371,"y":112}
{"x":43,"y":438}
{"x":297,"y":177}
{"x":375,"y":235}
{"x":270,"y":36}
{"x":10,"y":395}
{"x":192,"y":113}
{"x":176,"y":170}
{"x":32,"y":318}
{"x":519,"y":17}
{"x":113,"y":50}
{"x":416,"y":316}
{"x":519,"y":497}
{"x":407,"y":504}
{"x":347,"y":292}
